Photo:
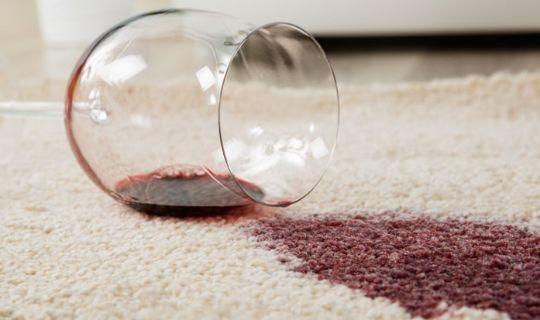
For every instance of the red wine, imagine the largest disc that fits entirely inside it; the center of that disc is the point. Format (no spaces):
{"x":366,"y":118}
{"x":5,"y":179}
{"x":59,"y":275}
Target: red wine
{"x":416,"y":261}
{"x":183,"y":189}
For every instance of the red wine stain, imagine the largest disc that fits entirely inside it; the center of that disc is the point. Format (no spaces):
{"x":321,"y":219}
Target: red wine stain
{"x":418,"y":262}
{"x":184,"y":191}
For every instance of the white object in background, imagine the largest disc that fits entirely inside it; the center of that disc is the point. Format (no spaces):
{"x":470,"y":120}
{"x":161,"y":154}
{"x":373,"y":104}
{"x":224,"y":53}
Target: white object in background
{"x":384,"y":17}
{"x":79,"y":21}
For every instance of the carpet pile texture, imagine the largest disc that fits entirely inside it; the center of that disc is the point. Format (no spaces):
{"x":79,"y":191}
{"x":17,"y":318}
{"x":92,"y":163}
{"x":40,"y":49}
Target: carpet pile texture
{"x":434,"y":187}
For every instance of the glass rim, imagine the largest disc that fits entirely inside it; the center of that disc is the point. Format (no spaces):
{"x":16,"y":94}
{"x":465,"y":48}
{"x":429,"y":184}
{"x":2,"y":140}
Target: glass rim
{"x":325,"y":61}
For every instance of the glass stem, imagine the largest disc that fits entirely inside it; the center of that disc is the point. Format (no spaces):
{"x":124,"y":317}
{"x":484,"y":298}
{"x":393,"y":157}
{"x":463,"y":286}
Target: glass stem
{"x":36,"y":109}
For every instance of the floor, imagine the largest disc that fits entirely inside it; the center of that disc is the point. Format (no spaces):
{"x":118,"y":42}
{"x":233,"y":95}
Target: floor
{"x":356,"y":60}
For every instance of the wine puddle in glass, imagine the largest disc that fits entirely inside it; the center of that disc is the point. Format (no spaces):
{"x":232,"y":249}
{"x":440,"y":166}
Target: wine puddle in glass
{"x":182,"y":189}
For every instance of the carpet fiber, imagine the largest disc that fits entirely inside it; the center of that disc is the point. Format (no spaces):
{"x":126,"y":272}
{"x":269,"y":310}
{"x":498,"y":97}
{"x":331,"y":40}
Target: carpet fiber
{"x":455,"y":158}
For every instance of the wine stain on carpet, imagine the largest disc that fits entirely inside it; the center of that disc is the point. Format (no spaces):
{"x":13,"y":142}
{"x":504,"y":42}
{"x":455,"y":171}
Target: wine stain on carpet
{"x":426,"y":265}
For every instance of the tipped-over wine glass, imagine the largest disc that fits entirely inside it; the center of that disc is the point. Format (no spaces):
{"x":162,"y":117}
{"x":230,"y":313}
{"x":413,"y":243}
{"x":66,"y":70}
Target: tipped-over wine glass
{"x":177,"y":109}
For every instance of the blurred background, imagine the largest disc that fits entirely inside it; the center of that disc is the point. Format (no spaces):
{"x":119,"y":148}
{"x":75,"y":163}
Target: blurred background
{"x":368,"y":41}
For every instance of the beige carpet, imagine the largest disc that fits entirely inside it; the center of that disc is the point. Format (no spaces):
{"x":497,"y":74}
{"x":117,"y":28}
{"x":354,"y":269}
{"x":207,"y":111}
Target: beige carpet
{"x":466,"y":148}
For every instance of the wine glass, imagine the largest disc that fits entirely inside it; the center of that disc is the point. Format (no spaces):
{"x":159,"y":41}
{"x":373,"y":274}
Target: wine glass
{"x":178,"y":109}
